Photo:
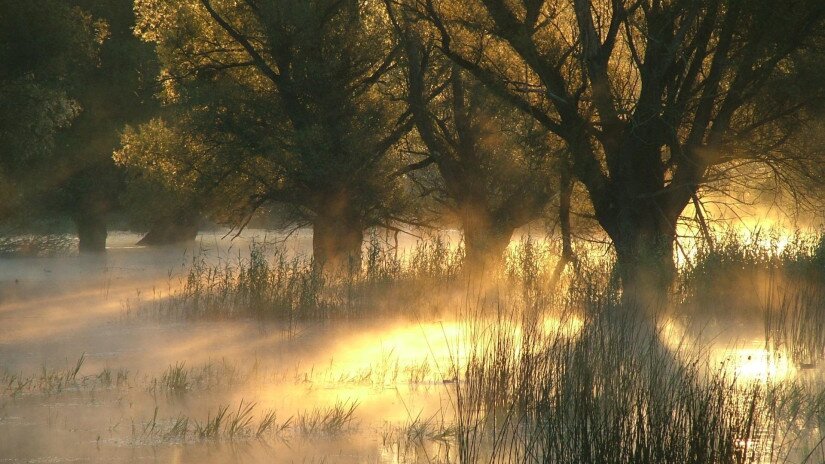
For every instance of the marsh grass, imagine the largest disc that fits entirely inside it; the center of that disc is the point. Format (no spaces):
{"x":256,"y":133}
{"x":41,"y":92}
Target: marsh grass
{"x":616,"y":394}
{"x":610,"y":392}
{"x":420,"y":439}
{"x":54,"y":381}
{"x":179,"y":379}
{"x":246,"y":421}
{"x":176,"y":379}
{"x":777,"y":282}
{"x":269,"y":285}
{"x":330,"y":420}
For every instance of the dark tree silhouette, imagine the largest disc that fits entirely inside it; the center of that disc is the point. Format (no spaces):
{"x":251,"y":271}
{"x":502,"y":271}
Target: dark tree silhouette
{"x":490,"y":157}
{"x":284,"y":102}
{"x":91,"y":76}
{"x":652,"y":97}
{"x":47,"y":47}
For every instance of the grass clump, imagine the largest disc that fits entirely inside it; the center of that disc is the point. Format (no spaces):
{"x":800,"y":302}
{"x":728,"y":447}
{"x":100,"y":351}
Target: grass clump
{"x":776,"y":281}
{"x":270,"y":285}
{"x":225,"y":424}
{"x":328,"y":420}
{"x":246,"y":422}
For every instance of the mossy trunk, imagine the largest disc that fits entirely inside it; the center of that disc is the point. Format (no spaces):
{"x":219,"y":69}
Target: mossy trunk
{"x":91,"y":232}
{"x":336,"y":242}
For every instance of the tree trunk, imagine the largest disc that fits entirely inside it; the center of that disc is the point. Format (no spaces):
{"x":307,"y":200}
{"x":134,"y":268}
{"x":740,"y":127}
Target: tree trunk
{"x":172,"y":229}
{"x":640,"y":217}
{"x":485,"y":240}
{"x":336,"y":243}
{"x":645,"y":262}
{"x":91,"y":232}
{"x":565,"y":198}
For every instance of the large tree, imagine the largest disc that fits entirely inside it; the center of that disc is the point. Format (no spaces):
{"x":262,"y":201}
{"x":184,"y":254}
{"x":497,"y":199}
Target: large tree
{"x":652,"y":97}
{"x":46,"y":48}
{"x":73,"y":75}
{"x":283,"y":102}
{"x":118,"y":89}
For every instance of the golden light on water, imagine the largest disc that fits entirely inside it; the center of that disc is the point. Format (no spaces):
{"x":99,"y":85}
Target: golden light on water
{"x":750,"y":362}
{"x":756,"y":364}
{"x":402,"y":343}
{"x":444,"y":343}
{"x":564,"y":326}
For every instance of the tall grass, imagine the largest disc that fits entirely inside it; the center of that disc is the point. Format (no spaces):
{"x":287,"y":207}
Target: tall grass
{"x":616,"y":394}
{"x":780,"y":283}
{"x":270,"y":285}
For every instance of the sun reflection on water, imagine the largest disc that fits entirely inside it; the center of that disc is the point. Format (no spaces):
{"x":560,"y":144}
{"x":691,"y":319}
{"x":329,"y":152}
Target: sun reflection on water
{"x":744,"y":362}
{"x":564,"y":326}
{"x":756,"y":364}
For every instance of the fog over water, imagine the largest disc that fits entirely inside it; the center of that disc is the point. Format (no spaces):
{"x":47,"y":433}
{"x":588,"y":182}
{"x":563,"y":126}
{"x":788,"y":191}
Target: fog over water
{"x":89,"y":378}
{"x":57,"y":310}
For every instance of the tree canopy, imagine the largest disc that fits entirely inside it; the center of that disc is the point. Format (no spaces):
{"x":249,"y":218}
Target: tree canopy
{"x":652,"y":98}
{"x":283,"y":102}
{"x":46,"y":48}
{"x":351,"y":114}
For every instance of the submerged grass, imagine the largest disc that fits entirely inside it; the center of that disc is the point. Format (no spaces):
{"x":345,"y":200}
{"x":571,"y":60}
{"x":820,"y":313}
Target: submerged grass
{"x":245,"y":422}
{"x":53,"y":381}
{"x":327,"y":420}
{"x":607,"y":389}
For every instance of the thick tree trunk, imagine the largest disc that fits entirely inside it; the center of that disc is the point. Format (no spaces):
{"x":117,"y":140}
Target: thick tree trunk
{"x":640,"y":215}
{"x":485,"y":238}
{"x":485,"y":245}
{"x":646,"y":266}
{"x":170,"y":230}
{"x":91,"y":232}
{"x":336,"y":243}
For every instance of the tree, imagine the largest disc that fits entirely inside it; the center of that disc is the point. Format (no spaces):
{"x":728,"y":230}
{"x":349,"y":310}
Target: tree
{"x":284,"y":102}
{"x":45,"y":48}
{"x":652,"y":97}
{"x":117,"y":90}
{"x":491,"y":159}
{"x":163,"y":190}
{"x":83,"y":56}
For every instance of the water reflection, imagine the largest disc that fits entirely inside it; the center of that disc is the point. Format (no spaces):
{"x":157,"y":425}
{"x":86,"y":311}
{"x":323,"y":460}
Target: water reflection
{"x":736,"y":352}
{"x":756,"y":364}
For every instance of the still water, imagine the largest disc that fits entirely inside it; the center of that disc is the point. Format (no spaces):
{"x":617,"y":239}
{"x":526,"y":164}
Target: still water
{"x":85,"y":381}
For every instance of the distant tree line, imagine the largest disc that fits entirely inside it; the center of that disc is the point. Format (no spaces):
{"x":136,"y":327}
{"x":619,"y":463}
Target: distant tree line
{"x":351,"y":114}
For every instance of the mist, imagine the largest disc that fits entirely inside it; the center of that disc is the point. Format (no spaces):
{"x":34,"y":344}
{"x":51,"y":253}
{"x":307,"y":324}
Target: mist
{"x":399,"y":231}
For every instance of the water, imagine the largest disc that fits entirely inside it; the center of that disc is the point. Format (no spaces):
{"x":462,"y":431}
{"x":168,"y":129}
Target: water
{"x":55,"y":311}
{"x":377,"y":390}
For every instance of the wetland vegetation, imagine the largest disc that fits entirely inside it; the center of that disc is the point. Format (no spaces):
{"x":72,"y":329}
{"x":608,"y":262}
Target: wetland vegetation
{"x":412,"y":231}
